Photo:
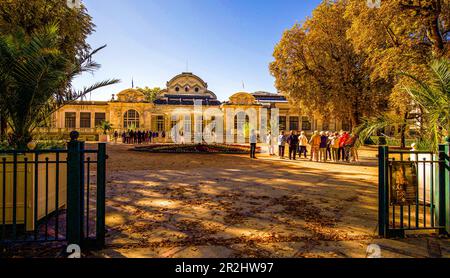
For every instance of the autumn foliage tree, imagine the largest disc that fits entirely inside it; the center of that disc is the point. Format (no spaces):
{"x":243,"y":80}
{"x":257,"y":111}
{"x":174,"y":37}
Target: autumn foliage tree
{"x":318,"y":67}
{"x":347,"y":58}
{"x":400,"y":36}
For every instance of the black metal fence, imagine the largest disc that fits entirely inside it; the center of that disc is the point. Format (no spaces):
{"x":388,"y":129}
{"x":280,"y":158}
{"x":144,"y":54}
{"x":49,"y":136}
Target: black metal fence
{"x":56,"y":195}
{"x":413,"y":191}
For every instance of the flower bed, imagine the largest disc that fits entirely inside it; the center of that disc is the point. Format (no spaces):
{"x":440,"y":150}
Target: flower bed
{"x":196,"y":148}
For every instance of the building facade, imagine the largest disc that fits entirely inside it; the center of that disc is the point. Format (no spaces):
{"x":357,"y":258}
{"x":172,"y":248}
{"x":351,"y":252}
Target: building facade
{"x":176,"y":103}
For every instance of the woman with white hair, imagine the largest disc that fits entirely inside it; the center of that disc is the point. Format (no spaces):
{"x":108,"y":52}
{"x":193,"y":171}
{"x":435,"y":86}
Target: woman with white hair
{"x":303,"y":143}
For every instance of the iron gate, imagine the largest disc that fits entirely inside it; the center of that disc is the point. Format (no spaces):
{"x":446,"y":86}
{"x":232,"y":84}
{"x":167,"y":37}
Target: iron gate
{"x":54,"y":195}
{"x":413,"y":191}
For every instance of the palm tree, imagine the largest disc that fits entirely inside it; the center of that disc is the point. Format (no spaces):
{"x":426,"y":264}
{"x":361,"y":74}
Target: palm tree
{"x":35,"y":80}
{"x":433,"y":97}
{"x":105,"y":126}
{"x":370,"y":126}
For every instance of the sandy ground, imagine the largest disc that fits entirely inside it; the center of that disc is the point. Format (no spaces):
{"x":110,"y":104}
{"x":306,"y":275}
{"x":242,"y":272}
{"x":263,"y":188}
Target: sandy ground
{"x":204,"y":205}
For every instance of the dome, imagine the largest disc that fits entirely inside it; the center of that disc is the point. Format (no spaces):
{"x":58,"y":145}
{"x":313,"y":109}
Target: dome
{"x":187,"y":83}
{"x":242,"y":98}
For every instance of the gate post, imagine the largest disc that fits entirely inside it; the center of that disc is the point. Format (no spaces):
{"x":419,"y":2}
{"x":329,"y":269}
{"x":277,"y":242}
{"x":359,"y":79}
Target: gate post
{"x":383,"y":205}
{"x":444,"y":189}
{"x":74,"y":193}
{"x":101,"y":188}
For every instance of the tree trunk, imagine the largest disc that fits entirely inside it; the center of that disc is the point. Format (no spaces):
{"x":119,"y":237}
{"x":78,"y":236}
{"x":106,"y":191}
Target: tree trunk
{"x":3,"y":128}
{"x":403,"y":131}
{"x":435,"y":32}
{"x":355,"y":120}
{"x":20,"y":139}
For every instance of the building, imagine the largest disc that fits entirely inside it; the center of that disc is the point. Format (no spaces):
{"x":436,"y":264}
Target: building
{"x":130,"y":110}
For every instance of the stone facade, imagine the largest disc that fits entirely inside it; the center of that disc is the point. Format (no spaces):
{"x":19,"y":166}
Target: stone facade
{"x":130,"y":110}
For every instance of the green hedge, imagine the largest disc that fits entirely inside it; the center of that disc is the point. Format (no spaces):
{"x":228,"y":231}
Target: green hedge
{"x":392,"y":142}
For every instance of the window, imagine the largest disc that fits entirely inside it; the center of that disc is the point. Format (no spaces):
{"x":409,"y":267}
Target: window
{"x":186,"y":89}
{"x":346,"y":126}
{"x":197,"y":90}
{"x":85,"y":120}
{"x":70,"y":119}
{"x":282,"y":123}
{"x":131,"y":119}
{"x":293,"y":123}
{"x":326,"y":126}
{"x":160,"y":123}
{"x":99,"y":118}
{"x":306,"y":123}
{"x":177,"y":89}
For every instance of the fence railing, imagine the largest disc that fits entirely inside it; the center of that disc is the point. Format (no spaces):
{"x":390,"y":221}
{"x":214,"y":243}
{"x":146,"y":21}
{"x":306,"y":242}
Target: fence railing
{"x":413,"y":191}
{"x":55,"y":195}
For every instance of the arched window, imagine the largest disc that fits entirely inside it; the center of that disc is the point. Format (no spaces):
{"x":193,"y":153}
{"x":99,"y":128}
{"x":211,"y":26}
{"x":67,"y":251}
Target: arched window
{"x":131,"y":119}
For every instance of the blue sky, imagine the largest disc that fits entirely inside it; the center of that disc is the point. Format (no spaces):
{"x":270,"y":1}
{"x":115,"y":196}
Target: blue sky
{"x":225,"y":42}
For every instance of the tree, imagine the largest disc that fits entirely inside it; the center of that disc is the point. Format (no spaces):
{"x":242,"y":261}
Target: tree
{"x":151,"y":94}
{"x":372,"y":125}
{"x":319,"y":69}
{"x":35,"y":79}
{"x":432,"y":94}
{"x":105,"y":126}
{"x":75,"y":25}
{"x":400,"y":36}
{"x":27,"y":17}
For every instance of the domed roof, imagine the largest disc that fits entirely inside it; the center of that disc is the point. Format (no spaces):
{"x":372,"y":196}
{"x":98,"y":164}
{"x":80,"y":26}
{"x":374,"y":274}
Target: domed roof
{"x":131,"y":95}
{"x":186,"y":78}
{"x":186,"y":84}
{"x":242,"y":98}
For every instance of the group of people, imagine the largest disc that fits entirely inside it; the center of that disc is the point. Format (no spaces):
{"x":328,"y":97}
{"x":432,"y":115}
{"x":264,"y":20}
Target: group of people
{"x":324,"y":146}
{"x":138,"y":137}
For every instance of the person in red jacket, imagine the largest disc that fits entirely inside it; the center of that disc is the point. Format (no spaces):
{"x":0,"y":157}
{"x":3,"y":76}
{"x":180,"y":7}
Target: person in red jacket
{"x":342,"y":140}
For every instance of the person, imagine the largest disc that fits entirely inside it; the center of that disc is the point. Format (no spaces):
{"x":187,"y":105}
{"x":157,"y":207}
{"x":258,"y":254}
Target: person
{"x":269,"y":141}
{"x":253,"y":141}
{"x":292,"y":140}
{"x":281,"y":144}
{"x":124,"y":137}
{"x":328,"y":152}
{"x":335,"y":147}
{"x":303,"y":143}
{"x":348,"y":145}
{"x":315,"y":146}
{"x":323,"y":147}
{"x":182,"y":141}
{"x":354,"y":148}
{"x":132,"y":137}
{"x":127,"y":137}
{"x":116,"y":136}
{"x":139,"y":136}
{"x":344,"y":137}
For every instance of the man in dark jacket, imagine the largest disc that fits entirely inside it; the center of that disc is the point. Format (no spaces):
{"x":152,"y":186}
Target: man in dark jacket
{"x":292,"y":140}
